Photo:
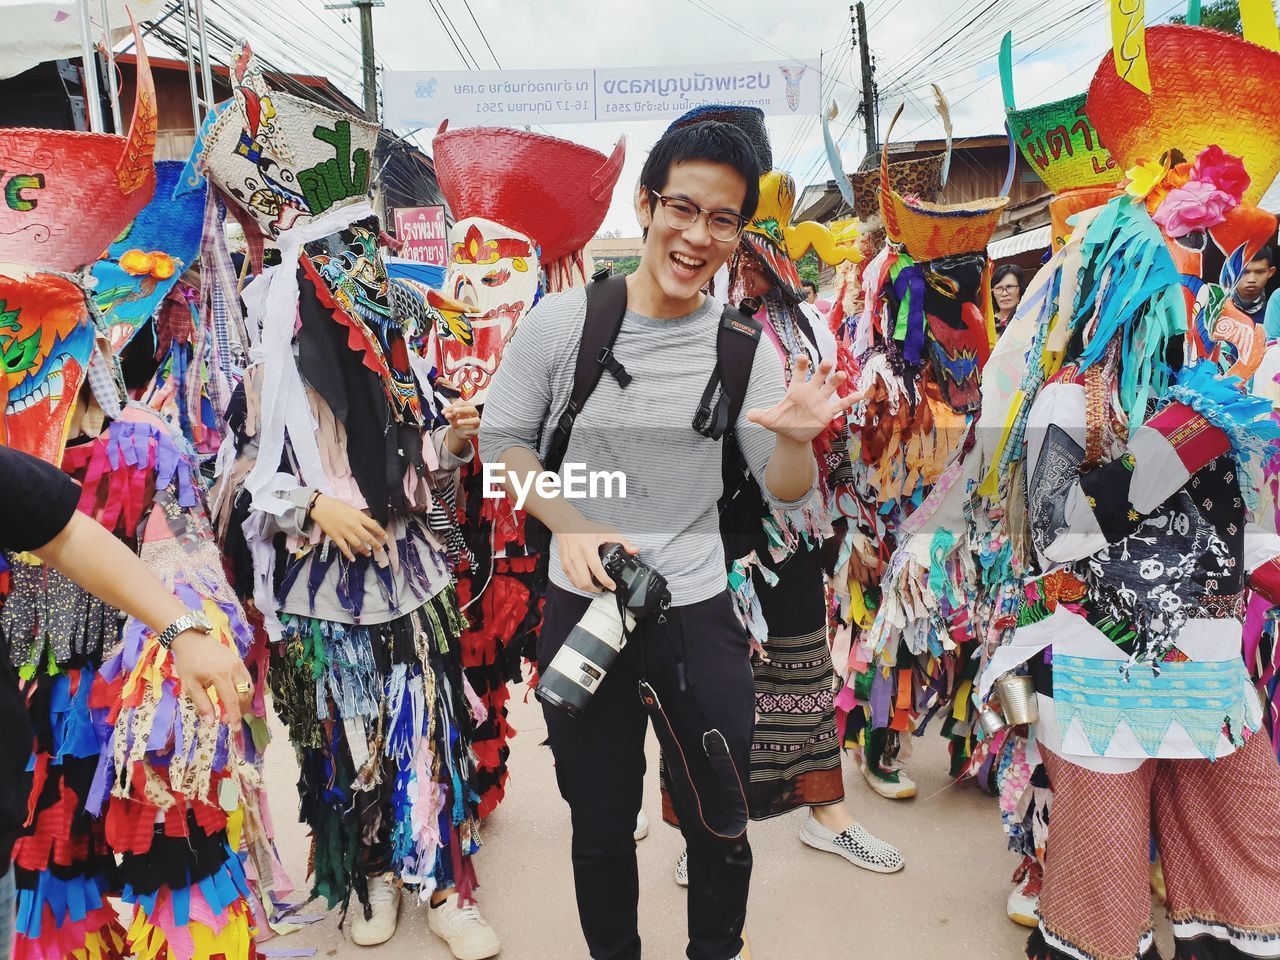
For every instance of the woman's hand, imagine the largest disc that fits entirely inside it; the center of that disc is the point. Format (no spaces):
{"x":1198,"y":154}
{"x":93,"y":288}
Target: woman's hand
{"x":464,"y":425}
{"x":201,"y":661}
{"x":580,"y":555}
{"x":350,"y":529}
{"x":809,"y":405}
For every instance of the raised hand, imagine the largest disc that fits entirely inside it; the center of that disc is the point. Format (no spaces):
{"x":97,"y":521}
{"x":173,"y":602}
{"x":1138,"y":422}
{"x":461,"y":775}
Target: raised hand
{"x":463,"y":418}
{"x":809,"y":405}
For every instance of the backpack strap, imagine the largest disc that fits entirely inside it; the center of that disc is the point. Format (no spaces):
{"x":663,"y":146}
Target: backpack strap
{"x":735,"y":352}
{"x":742,"y":507}
{"x":736,"y":340}
{"x":606,"y":306}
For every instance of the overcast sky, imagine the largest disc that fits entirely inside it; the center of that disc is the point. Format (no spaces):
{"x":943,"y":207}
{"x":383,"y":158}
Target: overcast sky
{"x":1059,"y":42}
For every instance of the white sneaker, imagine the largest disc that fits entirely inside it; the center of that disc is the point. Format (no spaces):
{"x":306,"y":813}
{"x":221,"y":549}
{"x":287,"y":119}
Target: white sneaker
{"x":892,"y":784}
{"x":1024,"y":900}
{"x":682,"y":869}
{"x":384,"y":900}
{"x":642,"y":826}
{"x":856,"y":845}
{"x":463,"y":929}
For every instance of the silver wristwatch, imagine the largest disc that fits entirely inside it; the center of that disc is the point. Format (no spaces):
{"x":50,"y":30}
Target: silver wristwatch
{"x":191,"y":621}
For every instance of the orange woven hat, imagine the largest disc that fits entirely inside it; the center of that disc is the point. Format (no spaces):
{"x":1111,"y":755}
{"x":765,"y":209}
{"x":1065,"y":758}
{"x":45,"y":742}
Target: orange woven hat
{"x":552,"y":191}
{"x":929,"y":231}
{"x":1207,"y":88}
{"x":70,"y":193}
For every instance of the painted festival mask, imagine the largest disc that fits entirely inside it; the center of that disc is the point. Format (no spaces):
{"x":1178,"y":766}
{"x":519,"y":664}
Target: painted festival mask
{"x":66,"y":193}
{"x":145,"y":262}
{"x":494,"y":271}
{"x":526,"y":205}
{"x":46,"y":340}
{"x":348,"y":266}
{"x":285,"y":160}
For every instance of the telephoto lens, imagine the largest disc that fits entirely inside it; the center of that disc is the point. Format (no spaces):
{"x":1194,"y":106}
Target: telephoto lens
{"x":589,"y":653}
{"x":593,"y":645}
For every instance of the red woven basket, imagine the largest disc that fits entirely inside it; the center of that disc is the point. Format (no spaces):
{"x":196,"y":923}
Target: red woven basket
{"x":70,"y":193}
{"x":1207,"y":88}
{"x":553,"y":191}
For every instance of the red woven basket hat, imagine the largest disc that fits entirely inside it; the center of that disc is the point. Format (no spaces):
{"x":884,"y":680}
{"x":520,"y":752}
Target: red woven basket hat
{"x":1207,"y":88}
{"x":552,"y":191}
{"x":70,"y":193}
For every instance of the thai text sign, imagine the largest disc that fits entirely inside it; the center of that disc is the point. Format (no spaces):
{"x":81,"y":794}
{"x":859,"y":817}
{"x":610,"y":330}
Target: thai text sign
{"x":421,"y":232}
{"x":417,"y":99}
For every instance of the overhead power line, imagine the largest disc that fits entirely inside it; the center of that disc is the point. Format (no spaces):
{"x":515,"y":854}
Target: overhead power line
{"x":458,"y":43}
{"x":480,"y":30}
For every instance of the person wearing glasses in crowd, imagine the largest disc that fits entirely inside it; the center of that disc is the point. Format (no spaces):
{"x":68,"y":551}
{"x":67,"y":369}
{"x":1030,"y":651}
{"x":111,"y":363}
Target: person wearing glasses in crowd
{"x":1007,"y":285}
{"x":699,"y":186}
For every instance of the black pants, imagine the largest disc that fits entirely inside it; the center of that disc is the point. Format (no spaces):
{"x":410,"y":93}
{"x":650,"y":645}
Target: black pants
{"x":697,"y":663}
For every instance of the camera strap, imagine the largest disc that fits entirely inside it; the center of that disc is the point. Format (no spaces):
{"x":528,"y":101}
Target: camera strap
{"x":680,"y":777}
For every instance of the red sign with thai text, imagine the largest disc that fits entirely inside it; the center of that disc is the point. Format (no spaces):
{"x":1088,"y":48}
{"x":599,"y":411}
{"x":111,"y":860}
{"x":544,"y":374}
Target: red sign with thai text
{"x":422,"y":234}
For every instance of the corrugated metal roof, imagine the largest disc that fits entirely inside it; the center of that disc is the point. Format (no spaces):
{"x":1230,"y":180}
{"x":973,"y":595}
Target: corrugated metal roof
{"x":1036,"y":239}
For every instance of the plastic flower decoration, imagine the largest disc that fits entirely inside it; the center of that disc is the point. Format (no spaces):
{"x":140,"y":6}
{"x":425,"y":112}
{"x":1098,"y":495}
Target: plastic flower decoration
{"x":1144,"y":177}
{"x":1215,"y":185}
{"x":1214,"y":165}
{"x":138,"y":263}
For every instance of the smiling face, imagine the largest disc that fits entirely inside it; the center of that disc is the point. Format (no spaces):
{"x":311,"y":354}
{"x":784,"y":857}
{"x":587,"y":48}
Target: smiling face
{"x":677,"y":264}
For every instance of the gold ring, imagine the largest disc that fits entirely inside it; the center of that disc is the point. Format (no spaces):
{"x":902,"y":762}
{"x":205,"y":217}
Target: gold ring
{"x":243,"y":687}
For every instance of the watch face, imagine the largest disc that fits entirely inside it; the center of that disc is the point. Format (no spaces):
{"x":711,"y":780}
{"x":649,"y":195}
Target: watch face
{"x":202,"y":621}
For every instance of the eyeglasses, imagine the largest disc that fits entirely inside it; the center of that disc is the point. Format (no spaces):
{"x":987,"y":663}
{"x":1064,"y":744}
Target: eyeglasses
{"x":682,"y":214}
{"x":1005,"y":289}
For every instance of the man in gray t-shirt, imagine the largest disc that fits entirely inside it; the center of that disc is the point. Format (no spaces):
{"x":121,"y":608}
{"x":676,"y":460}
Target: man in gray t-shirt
{"x":699,"y":186}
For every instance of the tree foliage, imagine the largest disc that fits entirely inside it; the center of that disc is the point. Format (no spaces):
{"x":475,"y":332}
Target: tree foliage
{"x":622,"y":266}
{"x":810,"y":267}
{"x":1221,"y":15}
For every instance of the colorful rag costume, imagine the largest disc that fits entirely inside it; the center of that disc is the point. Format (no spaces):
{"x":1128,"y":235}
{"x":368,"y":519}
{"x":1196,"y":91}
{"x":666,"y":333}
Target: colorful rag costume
{"x":1059,"y":143}
{"x":172,"y":353}
{"x":131,"y":795}
{"x":777,"y":559}
{"x":1262,"y":619}
{"x":525,"y":206}
{"x":922,"y":338}
{"x":365,"y":667}
{"x":1099,"y":528}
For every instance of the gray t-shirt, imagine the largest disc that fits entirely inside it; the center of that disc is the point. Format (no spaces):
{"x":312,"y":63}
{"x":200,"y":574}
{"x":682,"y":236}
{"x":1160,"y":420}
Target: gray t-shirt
{"x":673,"y":477}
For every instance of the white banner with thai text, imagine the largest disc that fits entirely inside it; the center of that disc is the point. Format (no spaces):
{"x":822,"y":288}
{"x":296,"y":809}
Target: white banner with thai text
{"x":417,"y":99}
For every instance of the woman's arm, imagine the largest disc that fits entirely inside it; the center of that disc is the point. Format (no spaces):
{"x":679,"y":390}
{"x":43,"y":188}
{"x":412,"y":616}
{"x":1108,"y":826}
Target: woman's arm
{"x":95,"y":560}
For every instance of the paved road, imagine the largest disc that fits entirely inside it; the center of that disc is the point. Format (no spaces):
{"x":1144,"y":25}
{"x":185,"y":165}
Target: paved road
{"x":948,"y":902}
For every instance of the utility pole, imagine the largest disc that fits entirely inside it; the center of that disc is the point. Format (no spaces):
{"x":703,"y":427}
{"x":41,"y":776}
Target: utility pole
{"x":858,"y":16}
{"x":366,"y":50}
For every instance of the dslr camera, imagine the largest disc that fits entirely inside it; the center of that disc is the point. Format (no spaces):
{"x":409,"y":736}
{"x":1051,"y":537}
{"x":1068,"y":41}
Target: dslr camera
{"x":597,"y":639}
